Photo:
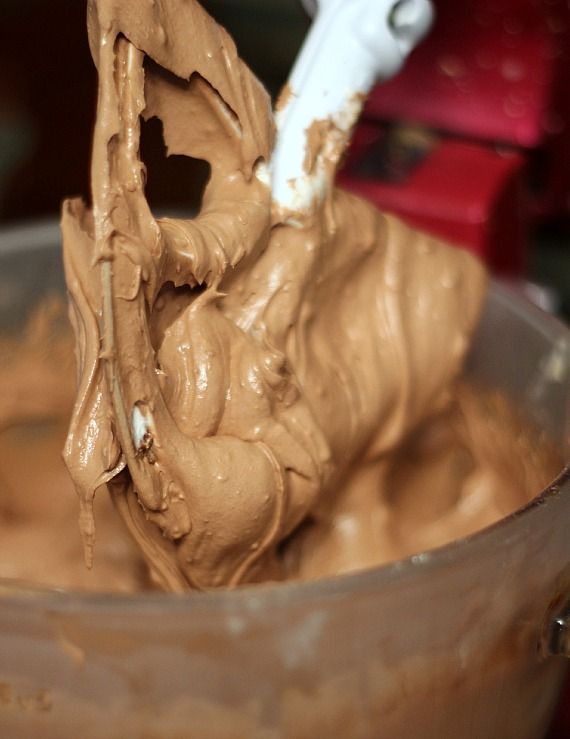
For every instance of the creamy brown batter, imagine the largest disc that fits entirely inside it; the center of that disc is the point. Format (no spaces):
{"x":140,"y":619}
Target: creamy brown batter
{"x":238,"y":375}
{"x":463,"y":468}
{"x":261,"y":400}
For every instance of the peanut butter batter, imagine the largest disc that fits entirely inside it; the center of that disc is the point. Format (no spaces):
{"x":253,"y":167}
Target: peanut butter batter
{"x":459,"y":470}
{"x":238,"y":375}
{"x":261,"y":400}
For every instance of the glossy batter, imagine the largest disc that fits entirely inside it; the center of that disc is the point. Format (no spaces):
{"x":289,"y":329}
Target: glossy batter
{"x":246,"y":385}
{"x":461,"y":469}
{"x":237,"y":373}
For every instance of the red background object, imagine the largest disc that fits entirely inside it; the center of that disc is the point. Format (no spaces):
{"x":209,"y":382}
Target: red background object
{"x":493,"y":77}
{"x":466,"y":193}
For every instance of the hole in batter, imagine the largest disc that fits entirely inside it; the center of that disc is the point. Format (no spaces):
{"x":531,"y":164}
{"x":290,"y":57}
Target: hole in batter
{"x":174,"y":182}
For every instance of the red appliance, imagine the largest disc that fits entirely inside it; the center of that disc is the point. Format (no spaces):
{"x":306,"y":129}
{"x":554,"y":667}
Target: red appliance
{"x":491,"y":85}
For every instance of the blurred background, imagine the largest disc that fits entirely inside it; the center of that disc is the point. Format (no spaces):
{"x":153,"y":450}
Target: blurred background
{"x":471,"y":142}
{"x":48,"y":95}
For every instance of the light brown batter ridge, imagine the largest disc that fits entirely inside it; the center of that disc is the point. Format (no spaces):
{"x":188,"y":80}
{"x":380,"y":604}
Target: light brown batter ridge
{"x":237,"y":374}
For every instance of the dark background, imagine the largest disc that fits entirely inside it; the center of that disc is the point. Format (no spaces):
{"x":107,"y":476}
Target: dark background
{"x":48,"y":91}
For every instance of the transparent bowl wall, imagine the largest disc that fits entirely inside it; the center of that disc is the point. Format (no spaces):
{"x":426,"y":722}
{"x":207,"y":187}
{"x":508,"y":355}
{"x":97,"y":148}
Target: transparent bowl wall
{"x":452,"y":644}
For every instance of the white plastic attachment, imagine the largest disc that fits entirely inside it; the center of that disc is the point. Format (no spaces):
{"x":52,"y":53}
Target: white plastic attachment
{"x":141,"y":426}
{"x":351,"y":45}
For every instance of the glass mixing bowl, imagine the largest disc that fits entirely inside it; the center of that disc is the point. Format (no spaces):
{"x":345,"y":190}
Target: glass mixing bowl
{"x":464,"y":642}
